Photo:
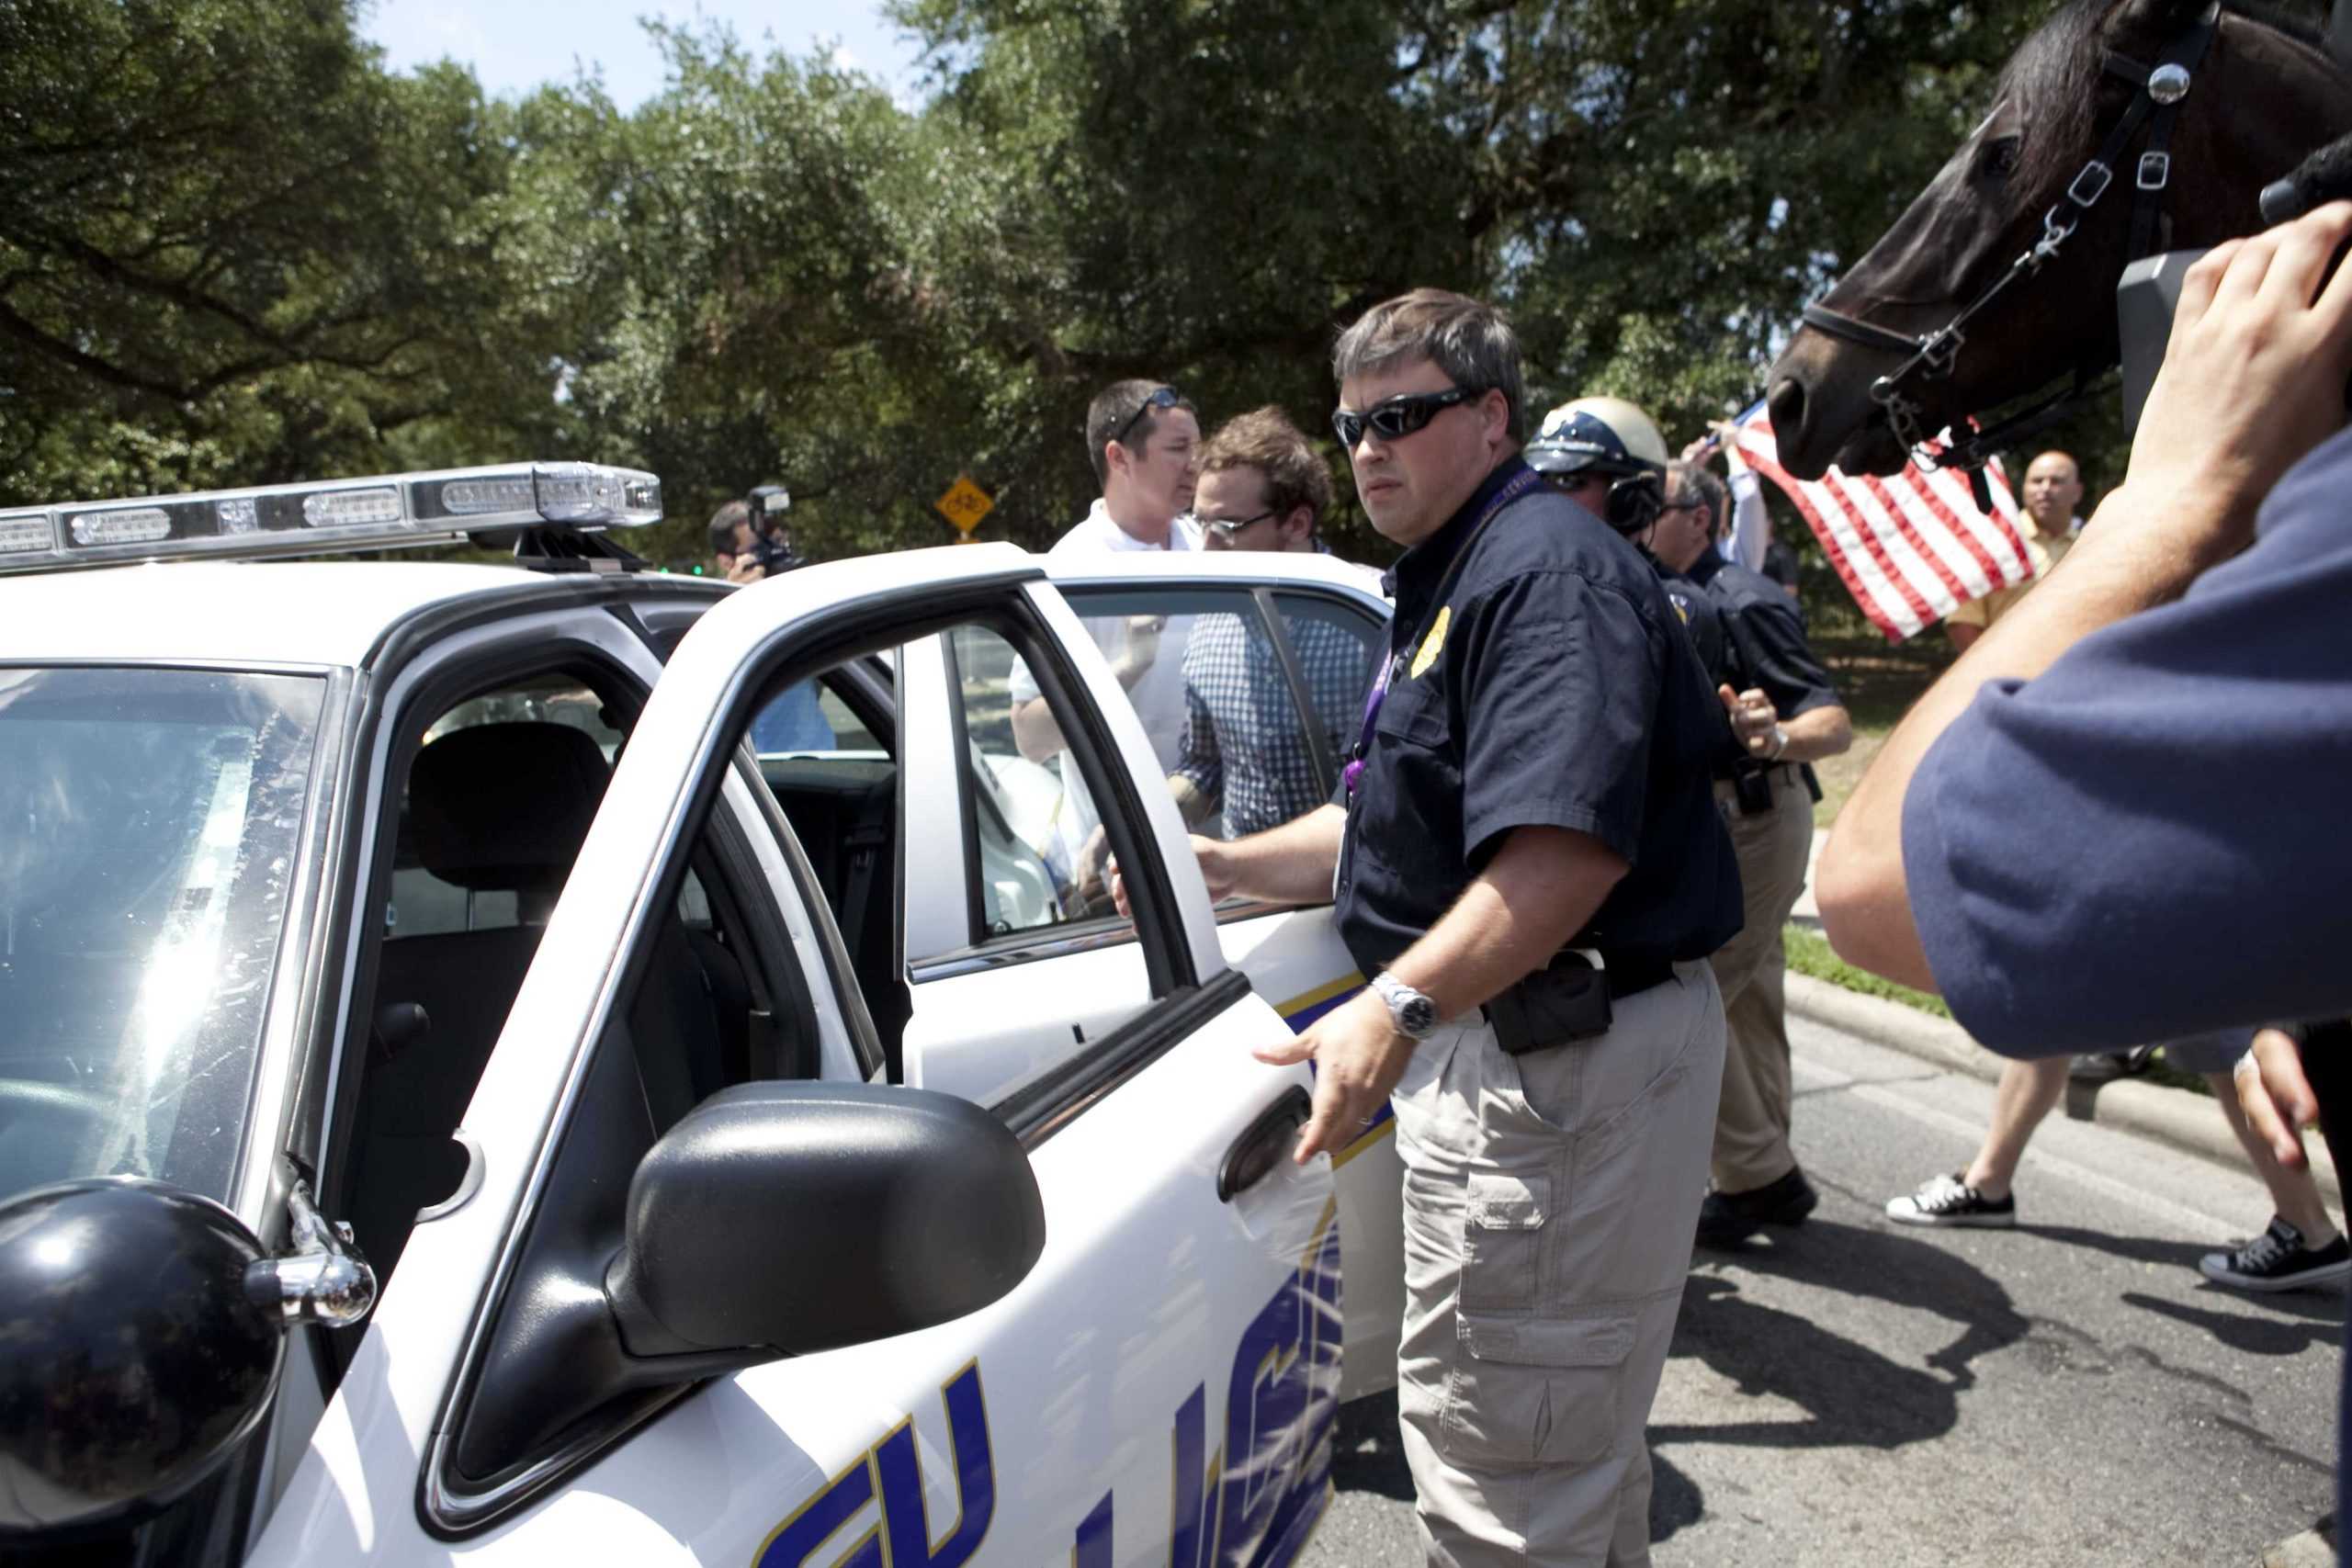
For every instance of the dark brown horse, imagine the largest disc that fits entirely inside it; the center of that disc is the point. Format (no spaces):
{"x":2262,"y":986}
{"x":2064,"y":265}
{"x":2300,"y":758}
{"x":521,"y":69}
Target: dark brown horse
{"x":2263,"y":92}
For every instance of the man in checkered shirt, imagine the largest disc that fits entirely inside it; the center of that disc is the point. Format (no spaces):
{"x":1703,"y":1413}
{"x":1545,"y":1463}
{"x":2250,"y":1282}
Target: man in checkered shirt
{"x":1244,"y":747}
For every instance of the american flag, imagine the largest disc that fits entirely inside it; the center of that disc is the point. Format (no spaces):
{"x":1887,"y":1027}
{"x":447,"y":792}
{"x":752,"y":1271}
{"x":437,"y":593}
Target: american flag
{"x":1911,"y":549}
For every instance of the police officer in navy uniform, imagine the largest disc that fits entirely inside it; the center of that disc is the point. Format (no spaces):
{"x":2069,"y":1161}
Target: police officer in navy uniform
{"x":1530,"y":865}
{"x":1607,"y":455}
{"x":1788,"y":714}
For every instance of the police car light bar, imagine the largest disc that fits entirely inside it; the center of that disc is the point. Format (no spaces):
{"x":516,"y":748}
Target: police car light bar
{"x":382,"y":513}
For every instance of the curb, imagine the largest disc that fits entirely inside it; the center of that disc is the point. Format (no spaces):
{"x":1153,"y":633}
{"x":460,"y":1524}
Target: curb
{"x":2169,"y":1115}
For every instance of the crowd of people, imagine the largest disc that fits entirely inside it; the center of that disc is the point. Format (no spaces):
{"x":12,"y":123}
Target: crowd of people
{"x":1577,"y":810}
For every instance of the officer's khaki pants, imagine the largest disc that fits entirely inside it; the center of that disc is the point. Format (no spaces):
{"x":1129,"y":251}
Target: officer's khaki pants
{"x":1752,"y":1127}
{"x":1549,"y":1204}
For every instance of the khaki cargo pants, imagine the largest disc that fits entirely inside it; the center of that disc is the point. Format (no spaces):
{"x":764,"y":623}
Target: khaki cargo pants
{"x":1550,"y":1200}
{"x":1752,"y":1147}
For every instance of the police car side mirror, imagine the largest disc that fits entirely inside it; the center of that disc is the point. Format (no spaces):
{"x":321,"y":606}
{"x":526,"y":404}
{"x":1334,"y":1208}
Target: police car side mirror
{"x":135,"y":1356}
{"x":801,"y":1216}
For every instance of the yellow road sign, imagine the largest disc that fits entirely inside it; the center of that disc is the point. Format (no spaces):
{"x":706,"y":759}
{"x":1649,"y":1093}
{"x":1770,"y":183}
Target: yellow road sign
{"x":965,"y":504}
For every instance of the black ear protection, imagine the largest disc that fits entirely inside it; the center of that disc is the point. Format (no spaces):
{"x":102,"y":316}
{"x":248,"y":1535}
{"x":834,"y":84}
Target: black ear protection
{"x":1634,"y":501}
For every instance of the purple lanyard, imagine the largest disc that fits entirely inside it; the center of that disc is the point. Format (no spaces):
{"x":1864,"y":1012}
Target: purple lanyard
{"x":1519,"y":485}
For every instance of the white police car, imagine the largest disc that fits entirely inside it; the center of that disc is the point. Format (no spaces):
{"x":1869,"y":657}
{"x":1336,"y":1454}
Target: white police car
{"x":758,"y":1153}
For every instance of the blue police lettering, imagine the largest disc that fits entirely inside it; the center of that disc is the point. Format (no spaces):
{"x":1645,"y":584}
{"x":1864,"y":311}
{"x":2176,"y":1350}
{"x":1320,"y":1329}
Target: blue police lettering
{"x":891,"y":1472}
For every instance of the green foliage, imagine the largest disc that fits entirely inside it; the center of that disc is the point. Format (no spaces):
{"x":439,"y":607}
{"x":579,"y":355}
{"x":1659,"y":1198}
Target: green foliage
{"x":233,"y":249}
{"x":1810,"y":954}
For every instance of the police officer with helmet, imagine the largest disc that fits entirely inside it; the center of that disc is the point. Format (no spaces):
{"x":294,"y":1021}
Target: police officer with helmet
{"x":1529,"y":863}
{"x":1787,"y":714}
{"x":1605,"y":454}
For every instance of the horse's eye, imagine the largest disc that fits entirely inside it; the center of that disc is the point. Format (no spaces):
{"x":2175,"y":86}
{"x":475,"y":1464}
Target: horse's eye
{"x":1999,"y":159}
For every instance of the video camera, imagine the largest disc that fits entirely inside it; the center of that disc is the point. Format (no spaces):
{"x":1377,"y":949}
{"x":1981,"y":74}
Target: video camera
{"x":2149,"y":291}
{"x":768,"y":504}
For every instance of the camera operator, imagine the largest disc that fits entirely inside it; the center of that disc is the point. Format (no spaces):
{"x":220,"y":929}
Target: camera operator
{"x":2119,"y":816}
{"x":749,"y":539}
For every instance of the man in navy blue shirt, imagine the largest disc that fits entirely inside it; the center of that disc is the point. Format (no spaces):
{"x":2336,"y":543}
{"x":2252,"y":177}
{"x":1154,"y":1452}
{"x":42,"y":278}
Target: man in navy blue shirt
{"x":1529,"y":865}
{"x":2120,"y":816}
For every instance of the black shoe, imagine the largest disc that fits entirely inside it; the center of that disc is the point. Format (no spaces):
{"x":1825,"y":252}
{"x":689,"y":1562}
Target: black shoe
{"x":2278,"y":1260}
{"x":1727,"y":1218}
{"x":2105,"y":1067}
{"x":1950,"y":1200}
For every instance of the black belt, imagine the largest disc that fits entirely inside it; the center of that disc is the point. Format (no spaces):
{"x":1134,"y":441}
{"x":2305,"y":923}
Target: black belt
{"x":1733,"y":774}
{"x":1630,"y":977}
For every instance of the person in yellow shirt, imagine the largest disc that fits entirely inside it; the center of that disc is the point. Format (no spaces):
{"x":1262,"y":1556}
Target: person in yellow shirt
{"x":2054,"y":488}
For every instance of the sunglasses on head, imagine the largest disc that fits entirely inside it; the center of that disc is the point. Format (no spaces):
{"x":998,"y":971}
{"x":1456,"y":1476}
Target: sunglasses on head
{"x":1391,"y":418}
{"x":1161,"y":397}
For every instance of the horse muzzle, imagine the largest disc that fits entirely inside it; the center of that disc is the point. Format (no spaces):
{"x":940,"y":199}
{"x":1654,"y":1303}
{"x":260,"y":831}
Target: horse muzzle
{"x":1823,"y":414}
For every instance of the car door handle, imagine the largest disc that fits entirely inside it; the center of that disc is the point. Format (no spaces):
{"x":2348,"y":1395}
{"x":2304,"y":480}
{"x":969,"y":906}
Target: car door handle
{"x":1262,"y":1143}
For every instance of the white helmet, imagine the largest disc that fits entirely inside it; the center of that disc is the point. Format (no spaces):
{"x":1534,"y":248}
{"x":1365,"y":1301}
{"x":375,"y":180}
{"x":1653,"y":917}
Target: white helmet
{"x":1606,"y":436}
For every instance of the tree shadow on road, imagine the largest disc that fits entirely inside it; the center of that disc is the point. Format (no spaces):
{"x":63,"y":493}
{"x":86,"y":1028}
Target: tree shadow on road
{"x":2162,"y":1251}
{"x":2250,"y":1329}
{"x":1368,"y":1456}
{"x":1675,"y":1498}
{"x":1851,"y":1393}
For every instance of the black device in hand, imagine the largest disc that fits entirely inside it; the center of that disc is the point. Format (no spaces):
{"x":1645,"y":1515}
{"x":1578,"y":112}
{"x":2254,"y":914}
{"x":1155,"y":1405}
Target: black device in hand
{"x":770,"y":554}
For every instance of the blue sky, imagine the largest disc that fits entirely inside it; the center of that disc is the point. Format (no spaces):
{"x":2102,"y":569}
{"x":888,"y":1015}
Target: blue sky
{"x":514,"y":45}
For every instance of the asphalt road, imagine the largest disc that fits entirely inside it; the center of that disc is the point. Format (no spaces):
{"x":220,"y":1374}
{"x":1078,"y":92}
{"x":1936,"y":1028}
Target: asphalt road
{"x":1860,"y":1393}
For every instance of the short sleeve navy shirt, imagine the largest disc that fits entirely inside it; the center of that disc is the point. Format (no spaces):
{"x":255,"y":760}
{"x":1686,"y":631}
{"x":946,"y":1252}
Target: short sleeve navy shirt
{"x":1554,"y":686}
{"x":1766,"y":636}
{"x":1702,"y":621}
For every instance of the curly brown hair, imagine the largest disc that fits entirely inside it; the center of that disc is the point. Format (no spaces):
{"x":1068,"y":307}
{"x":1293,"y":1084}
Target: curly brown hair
{"x":1266,"y":440}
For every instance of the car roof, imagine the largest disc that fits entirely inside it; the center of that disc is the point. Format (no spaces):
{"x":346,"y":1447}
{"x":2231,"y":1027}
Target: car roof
{"x":1279,"y":567}
{"x":241,"y":613}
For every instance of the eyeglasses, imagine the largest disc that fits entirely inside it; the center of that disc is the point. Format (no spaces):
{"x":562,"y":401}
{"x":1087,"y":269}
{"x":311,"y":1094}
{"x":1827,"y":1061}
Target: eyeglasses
{"x":1393,"y":418}
{"x":1229,"y":529}
{"x":1161,"y":397}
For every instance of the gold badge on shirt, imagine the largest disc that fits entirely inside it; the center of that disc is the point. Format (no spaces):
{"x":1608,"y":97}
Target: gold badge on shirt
{"x":1434,"y":643}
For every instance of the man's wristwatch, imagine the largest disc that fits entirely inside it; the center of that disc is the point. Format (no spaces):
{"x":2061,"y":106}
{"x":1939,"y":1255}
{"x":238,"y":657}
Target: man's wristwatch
{"x":1412,"y":1013}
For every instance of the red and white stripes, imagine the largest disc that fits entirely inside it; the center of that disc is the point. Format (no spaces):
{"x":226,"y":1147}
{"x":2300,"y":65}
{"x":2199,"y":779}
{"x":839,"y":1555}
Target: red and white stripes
{"x":1910,"y":548}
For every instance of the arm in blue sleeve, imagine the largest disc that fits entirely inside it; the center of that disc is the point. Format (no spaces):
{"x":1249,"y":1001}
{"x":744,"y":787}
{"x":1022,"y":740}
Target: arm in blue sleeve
{"x":2151,"y":838}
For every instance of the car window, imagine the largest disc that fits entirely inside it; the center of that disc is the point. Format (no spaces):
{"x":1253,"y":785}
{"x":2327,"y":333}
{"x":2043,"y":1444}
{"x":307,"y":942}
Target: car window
{"x":493,"y":808}
{"x":153,"y":817}
{"x":798,"y":720}
{"x":426,"y":903}
{"x":1339,"y":646}
{"x":1245,"y":755}
{"x":1040,"y":848}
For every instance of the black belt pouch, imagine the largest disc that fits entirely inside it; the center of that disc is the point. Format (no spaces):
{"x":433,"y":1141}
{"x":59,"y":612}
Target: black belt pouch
{"x":1558,"y":1005}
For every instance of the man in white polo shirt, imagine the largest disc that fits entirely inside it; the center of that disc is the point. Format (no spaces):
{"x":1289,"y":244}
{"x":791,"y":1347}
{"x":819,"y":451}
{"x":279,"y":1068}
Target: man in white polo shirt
{"x":1144,"y":441}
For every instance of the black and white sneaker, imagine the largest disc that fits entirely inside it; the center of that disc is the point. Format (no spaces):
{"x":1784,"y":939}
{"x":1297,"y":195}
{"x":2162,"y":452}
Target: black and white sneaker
{"x":1950,"y":1200}
{"x":2277,"y":1260}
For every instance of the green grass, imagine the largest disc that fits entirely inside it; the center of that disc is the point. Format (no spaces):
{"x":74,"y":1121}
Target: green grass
{"x":1879,"y":681}
{"x":1809,"y":954}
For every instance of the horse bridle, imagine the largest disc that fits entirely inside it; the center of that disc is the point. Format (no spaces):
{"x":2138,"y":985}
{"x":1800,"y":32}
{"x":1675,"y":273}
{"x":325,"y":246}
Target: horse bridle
{"x":2155,"y":105}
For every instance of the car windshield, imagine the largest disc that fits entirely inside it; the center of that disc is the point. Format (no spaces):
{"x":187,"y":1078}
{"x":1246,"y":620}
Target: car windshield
{"x":148,"y":826}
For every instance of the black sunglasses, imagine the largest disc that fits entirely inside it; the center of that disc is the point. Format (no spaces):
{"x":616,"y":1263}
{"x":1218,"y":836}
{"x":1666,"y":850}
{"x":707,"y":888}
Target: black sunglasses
{"x":1391,"y":418}
{"x":1162,"y":397}
{"x":1227,"y":528}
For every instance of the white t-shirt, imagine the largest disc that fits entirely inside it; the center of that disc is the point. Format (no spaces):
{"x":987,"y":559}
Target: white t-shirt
{"x":1158,"y":697}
